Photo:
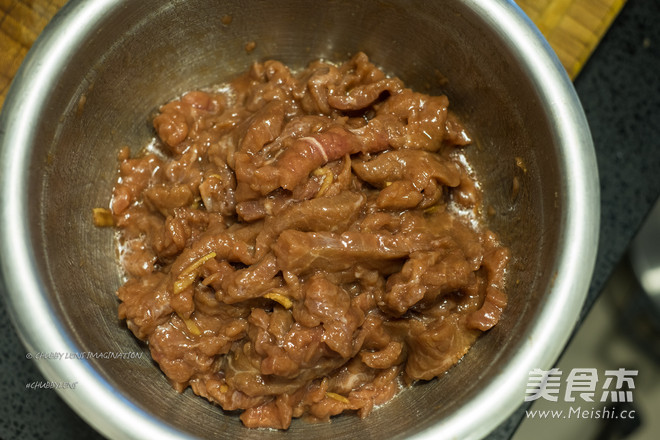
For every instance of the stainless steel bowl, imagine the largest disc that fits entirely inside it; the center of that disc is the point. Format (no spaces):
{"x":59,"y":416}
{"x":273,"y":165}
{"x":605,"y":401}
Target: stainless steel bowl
{"x":102,"y":67}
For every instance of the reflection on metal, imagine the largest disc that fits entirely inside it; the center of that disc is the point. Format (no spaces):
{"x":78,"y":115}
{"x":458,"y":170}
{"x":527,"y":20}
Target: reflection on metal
{"x":645,"y":255}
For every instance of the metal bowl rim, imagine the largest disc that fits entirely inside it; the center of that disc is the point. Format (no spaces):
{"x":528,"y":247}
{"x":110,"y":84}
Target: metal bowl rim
{"x":102,"y":406}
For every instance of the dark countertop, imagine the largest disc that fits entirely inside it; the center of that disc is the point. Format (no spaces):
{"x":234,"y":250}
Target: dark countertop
{"x":620,"y":91}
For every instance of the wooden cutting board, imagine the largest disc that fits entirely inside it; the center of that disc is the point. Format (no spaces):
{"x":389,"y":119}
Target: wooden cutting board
{"x":573,"y":28}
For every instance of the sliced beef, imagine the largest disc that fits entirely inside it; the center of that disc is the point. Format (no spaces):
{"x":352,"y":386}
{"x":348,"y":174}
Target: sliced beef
{"x":305,"y":243}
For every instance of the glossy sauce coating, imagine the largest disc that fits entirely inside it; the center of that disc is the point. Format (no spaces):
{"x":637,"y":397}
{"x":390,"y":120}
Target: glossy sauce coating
{"x":298,"y":244}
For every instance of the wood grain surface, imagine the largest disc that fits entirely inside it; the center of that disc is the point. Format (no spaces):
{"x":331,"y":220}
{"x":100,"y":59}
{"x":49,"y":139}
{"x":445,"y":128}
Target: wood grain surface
{"x":573,"y":28}
{"x":21,"y":21}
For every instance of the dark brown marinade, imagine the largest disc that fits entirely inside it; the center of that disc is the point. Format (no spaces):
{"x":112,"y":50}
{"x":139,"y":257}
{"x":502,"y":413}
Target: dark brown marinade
{"x":305,"y":243}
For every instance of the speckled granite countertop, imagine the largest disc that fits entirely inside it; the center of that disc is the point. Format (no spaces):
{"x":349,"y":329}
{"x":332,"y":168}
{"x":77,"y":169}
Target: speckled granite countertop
{"x":620,"y":90}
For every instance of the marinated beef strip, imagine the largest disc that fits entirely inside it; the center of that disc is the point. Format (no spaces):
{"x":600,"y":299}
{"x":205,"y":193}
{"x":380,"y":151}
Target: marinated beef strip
{"x":301,"y":244}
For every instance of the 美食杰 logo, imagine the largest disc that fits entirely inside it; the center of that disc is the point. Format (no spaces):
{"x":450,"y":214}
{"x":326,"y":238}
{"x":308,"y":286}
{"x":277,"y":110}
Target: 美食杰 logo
{"x":581,"y":383}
